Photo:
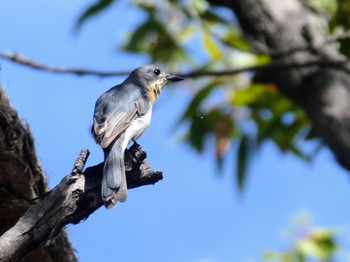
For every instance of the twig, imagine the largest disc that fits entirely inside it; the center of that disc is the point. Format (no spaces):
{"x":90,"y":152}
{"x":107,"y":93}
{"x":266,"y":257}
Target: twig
{"x":20,"y":59}
{"x":275,"y":65}
{"x":337,"y":37}
{"x":263,"y":49}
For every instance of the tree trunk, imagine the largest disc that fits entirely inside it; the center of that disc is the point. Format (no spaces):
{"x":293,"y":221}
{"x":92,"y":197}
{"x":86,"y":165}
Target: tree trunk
{"x":290,"y":31}
{"x":22,"y":180}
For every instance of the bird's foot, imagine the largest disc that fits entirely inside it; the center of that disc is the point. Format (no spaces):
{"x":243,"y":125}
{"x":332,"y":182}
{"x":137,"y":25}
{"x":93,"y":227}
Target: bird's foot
{"x":135,"y":143}
{"x":137,"y":152}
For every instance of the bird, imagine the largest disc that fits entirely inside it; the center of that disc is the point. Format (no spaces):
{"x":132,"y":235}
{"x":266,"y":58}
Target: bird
{"x":121,"y":115}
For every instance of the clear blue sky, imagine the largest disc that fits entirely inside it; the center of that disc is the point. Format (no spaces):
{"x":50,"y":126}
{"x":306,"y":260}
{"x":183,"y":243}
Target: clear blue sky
{"x":194,"y":214}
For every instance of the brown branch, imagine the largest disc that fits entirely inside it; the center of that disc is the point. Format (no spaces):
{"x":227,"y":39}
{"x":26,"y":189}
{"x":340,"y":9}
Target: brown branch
{"x":275,"y":65}
{"x":76,"y":197}
{"x":22,"y":60}
{"x":316,"y":48}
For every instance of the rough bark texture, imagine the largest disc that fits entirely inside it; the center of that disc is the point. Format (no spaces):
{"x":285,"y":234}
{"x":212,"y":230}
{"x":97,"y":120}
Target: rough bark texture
{"x":22,"y":180}
{"x":31,"y":218}
{"x":290,"y":31}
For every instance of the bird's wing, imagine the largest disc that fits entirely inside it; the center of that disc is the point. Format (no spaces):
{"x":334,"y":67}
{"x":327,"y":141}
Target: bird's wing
{"x":114,"y":112}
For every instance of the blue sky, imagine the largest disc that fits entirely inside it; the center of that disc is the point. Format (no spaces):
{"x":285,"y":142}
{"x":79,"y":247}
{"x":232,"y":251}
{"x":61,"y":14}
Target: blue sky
{"x":194,"y":214}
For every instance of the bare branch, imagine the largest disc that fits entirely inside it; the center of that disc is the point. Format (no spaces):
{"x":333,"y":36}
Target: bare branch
{"x":275,"y":65}
{"x":76,"y":197}
{"x":22,"y":60}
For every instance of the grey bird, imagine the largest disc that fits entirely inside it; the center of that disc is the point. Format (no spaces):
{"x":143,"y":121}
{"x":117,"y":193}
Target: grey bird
{"x":121,"y":115}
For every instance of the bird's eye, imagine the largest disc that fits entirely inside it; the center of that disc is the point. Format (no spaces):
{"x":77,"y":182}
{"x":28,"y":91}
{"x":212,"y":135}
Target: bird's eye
{"x":156,"y":72}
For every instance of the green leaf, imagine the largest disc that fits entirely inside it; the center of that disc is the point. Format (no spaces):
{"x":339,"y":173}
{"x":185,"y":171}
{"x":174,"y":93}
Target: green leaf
{"x":329,"y":6}
{"x":344,"y":47}
{"x":341,"y":17}
{"x":211,"y":46}
{"x":193,"y":110}
{"x":319,"y":244}
{"x":271,"y":255}
{"x":153,"y":38}
{"x":93,"y":10}
{"x":247,"y":96}
{"x":236,"y":39}
{"x":215,"y":123}
{"x":310,"y":248}
{"x":198,"y":130}
{"x":138,"y":40}
{"x":209,"y":16}
{"x":245,"y":151}
{"x":311,"y":133}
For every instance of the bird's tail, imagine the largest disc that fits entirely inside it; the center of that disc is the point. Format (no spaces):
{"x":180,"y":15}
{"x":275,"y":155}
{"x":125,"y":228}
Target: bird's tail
{"x":114,"y":186}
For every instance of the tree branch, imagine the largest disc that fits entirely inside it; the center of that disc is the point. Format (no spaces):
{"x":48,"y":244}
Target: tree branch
{"x":274,"y":65}
{"x":76,"y":197}
{"x":22,"y":60}
{"x":261,"y":48}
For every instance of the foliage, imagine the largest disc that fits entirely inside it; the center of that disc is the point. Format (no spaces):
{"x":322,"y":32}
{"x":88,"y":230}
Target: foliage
{"x":309,"y":243}
{"x":228,"y":110}
{"x":93,"y":10}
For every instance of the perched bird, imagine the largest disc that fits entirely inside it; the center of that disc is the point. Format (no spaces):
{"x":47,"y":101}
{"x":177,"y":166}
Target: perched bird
{"x":121,"y":115}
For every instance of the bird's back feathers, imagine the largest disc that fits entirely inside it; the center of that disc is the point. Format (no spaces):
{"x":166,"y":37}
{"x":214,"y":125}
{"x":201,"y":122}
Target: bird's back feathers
{"x":115,"y":110}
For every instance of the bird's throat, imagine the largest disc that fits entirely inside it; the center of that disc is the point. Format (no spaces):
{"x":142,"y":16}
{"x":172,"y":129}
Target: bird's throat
{"x":154,"y":91}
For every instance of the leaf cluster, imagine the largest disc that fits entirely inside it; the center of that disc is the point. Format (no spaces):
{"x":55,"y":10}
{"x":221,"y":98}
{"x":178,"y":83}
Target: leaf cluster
{"x":309,"y":243}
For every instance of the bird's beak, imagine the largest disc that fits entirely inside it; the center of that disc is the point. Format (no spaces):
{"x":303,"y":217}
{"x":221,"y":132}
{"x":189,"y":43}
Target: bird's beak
{"x":173,"y":78}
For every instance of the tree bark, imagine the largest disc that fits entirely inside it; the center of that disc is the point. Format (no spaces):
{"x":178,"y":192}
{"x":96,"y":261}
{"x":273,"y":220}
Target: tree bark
{"x":22,"y":180}
{"x":32,"y":219}
{"x":290,"y":31}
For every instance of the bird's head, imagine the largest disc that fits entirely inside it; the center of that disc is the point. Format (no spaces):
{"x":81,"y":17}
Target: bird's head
{"x":153,"y":79}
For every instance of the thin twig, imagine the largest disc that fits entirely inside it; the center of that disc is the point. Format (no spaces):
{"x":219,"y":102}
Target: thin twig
{"x":337,"y":37}
{"x":20,"y":59}
{"x":261,"y":49}
{"x":275,"y":65}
